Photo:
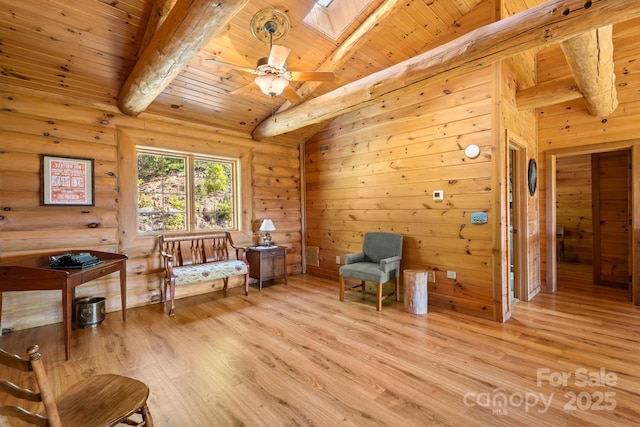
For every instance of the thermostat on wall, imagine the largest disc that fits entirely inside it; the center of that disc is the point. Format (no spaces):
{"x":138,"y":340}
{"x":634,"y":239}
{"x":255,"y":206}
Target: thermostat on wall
{"x":479,"y":218}
{"x":438,"y":195}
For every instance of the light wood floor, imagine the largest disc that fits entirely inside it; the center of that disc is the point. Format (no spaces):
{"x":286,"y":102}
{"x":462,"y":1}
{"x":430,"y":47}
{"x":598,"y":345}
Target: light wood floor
{"x":296,"y":356}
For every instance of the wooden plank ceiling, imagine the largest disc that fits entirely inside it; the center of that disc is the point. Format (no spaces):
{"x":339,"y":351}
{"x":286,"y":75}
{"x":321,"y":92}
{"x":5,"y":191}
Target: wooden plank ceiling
{"x":85,"y":49}
{"x":114,"y":53}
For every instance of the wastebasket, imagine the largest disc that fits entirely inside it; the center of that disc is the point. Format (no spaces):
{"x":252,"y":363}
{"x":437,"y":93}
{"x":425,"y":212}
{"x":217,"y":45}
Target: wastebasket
{"x":415,"y":291}
{"x":90,"y":312}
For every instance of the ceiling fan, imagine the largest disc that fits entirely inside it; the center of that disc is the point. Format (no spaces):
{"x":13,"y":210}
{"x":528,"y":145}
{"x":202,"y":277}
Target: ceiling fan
{"x":272,"y":75}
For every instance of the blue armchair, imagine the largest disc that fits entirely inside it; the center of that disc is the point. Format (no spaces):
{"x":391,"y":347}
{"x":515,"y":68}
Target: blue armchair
{"x":379,"y":262}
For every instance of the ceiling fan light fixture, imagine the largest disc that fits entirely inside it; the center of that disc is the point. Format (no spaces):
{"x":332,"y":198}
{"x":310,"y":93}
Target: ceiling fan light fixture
{"x":271,"y":84}
{"x":263,"y":67}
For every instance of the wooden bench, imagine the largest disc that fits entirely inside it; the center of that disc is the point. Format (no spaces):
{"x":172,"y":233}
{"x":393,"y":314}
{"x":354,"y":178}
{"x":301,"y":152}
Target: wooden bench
{"x":193,"y":258}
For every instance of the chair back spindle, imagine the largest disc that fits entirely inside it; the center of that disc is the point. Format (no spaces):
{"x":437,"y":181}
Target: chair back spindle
{"x":102,"y":400}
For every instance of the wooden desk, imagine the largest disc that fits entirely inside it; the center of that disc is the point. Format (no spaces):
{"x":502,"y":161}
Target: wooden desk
{"x":33,"y":274}
{"x":267,"y":263}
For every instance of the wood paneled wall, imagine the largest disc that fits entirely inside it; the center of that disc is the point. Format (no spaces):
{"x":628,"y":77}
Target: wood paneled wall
{"x":521,"y":128}
{"x":611,"y":217}
{"x":567,"y":129}
{"x":573,"y":207}
{"x":376,"y":170}
{"x":32,"y":124}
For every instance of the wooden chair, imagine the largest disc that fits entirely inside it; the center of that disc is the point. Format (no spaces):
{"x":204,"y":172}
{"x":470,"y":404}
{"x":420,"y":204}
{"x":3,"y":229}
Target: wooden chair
{"x":378,"y":262}
{"x":101,"y":400}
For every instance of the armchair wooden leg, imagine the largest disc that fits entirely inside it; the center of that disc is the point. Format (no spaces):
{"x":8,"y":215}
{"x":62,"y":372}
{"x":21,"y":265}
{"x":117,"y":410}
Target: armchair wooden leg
{"x":379,"y":297}
{"x":341,"y":288}
{"x":397,"y":289}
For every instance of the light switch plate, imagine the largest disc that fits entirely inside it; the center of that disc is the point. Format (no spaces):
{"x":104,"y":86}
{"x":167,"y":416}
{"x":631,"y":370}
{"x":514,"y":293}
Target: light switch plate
{"x":438,"y":195}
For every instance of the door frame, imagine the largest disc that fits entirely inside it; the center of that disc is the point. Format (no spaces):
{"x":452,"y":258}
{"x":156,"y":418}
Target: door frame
{"x":519,"y":206}
{"x":550,"y":209}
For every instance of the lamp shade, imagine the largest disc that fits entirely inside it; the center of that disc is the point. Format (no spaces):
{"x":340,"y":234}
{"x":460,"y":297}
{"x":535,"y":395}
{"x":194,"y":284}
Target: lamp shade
{"x":271,"y":84}
{"x":267,"y":225}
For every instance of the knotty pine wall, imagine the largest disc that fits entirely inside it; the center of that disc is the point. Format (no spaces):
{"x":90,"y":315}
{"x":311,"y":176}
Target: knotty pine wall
{"x":567,"y":129}
{"x":32,"y":124}
{"x":574,"y":207}
{"x":376,"y":170}
{"x":519,"y":72}
{"x":611,"y":215}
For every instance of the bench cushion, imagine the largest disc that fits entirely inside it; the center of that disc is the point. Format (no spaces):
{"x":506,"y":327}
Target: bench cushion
{"x":208,"y":271}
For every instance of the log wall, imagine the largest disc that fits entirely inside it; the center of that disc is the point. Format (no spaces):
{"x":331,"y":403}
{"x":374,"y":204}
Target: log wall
{"x":33,"y":123}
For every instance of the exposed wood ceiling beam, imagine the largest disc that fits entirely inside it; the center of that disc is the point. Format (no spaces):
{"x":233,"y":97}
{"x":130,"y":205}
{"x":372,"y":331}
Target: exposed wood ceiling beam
{"x":186,"y":30}
{"x":590,"y":56}
{"x":159,"y":13}
{"x":358,"y":38}
{"x":551,"y":22}
{"x":549,"y":93}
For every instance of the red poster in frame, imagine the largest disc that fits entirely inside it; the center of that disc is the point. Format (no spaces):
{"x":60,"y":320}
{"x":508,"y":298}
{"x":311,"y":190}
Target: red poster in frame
{"x":66,"y":181}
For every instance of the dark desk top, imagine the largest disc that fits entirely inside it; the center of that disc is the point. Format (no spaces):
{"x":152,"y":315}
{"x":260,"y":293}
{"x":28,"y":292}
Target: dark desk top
{"x":29,"y":271}
{"x":42,"y":260}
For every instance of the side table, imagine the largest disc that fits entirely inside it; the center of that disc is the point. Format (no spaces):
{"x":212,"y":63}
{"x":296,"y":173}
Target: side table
{"x":267,"y":263}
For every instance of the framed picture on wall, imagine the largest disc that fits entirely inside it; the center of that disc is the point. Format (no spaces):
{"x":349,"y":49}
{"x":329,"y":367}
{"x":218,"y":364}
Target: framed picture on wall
{"x":66,"y":181}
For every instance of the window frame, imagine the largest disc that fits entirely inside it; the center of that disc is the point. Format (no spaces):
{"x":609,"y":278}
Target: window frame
{"x":190,"y":159}
{"x":200,"y":142}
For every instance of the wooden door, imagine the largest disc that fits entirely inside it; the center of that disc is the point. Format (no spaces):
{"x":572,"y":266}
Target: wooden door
{"x":611,"y":218}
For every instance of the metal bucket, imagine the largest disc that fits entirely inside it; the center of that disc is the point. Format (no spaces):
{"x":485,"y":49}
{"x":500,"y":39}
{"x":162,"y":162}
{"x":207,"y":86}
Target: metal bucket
{"x":90,"y":312}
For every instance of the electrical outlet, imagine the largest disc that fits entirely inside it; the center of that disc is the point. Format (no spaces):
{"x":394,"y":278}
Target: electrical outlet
{"x":431,"y":276}
{"x":337,"y":259}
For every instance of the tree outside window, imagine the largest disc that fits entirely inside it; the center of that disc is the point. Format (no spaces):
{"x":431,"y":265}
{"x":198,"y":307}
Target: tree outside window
{"x":184,"y":192}
{"x":214,"y":194}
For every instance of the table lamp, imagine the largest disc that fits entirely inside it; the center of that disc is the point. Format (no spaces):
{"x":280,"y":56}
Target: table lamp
{"x":267,"y":226}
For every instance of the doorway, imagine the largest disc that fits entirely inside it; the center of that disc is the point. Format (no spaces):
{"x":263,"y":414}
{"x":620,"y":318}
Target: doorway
{"x":517,"y":221}
{"x":601,"y":178}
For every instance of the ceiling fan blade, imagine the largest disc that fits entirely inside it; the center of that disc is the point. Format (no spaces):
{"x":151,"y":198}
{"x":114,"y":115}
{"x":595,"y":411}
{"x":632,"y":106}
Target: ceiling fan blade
{"x":227,"y":65}
{"x":305,"y":76}
{"x":291,"y":95}
{"x":278,"y":55}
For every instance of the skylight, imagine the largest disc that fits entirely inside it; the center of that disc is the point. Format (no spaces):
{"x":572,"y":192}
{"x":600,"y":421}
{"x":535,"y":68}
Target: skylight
{"x":334,"y":20}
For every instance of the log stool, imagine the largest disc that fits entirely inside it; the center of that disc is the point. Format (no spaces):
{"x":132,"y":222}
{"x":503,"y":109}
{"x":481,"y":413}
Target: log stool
{"x":415,"y":291}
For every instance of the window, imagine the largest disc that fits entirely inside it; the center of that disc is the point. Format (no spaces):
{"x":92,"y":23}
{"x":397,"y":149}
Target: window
{"x":334,"y":21}
{"x":186,"y":192}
